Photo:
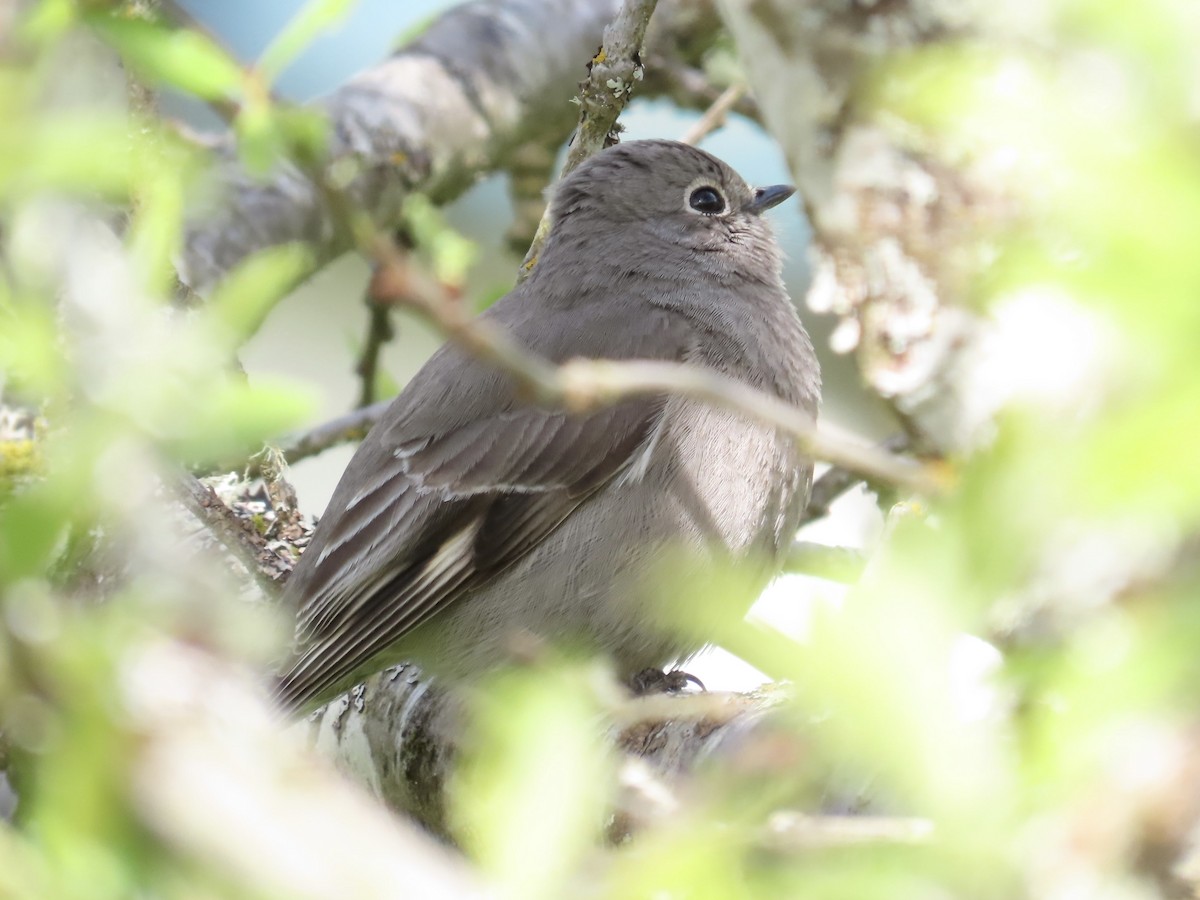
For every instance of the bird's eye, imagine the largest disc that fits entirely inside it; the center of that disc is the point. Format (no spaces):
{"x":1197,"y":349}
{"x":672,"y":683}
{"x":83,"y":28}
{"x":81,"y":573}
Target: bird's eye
{"x":707,"y":200}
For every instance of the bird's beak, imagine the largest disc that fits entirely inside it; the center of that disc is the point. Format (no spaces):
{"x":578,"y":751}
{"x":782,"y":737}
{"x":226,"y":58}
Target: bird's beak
{"x":767,"y":197}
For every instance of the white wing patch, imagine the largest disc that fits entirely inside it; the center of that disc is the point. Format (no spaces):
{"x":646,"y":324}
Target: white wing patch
{"x":452,"y":553}
{"x":636,"y":470}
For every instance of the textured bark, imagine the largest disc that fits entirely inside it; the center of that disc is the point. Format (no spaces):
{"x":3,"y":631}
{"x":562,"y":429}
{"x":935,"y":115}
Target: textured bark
{"x":890,"y":220}
{"x":483,"y":81}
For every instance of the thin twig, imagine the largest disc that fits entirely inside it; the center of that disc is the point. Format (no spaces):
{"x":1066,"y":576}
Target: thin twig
{"x":379,"y":332}
{"x":797,"y":832}
{"x":342,"y":430}
{"x":584,"y":384}
{"x":825,"y":490}
{"x":587,"y":382}
{"x":714,"y":117}
{"x":398,"y":281}
{"x":689,"y":88}
{"x":837,"y":481}
{"x":612,"y":74}
{"x":843,"y":564}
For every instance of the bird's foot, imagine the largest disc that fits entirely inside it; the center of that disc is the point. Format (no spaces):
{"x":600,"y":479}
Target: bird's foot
{"x":656,"y":681}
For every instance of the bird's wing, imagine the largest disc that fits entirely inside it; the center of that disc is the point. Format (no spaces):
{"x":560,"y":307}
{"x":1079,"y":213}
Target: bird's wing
{"x":458,"y":481}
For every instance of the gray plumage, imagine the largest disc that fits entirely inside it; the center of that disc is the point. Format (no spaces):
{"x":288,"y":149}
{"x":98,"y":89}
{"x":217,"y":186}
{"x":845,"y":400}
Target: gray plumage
{"x":468,"y":517}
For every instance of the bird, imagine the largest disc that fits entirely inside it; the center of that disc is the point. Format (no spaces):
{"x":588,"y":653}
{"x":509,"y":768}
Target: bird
{"x":470,"y":516}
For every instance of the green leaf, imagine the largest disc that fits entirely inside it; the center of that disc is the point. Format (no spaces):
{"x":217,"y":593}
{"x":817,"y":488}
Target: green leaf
{"x":242,"y":300}
{"x":260,"y":141}
{"x":315,"y":17}
{"x":156,"y":229}
{"x":306,"y":132}
{"x":235,"y":418}
{"x":183,"y":59}
{"x":33,"y":525}
{"x":48,"y":155}
{"x":531,"y":794}
{"x":29,"y":346}
{"x":385,"y":384}
{"x":448,"y":253}
{"x":45,"y":21}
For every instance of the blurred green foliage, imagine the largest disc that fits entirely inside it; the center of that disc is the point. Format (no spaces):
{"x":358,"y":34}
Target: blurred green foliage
{"x":92,"y":199}
{"x":1068,"y":542}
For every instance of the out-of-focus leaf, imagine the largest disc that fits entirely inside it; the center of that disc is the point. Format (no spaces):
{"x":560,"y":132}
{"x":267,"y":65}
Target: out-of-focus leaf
{"x":45,"y":21}
{"x":260,"y":141}
{"x":306,"y":132}
{"x":240,"y":303}
{"x":156,"y":228}
{"x":29,"y":347}
{"x":33,"y":526}
{"x":22,"y":873}
{"x":385,"y":384}
{"x":48,"y":156}
{"x":235,"y":418}
{"x":315,"y":17}
{"x":530,"y":797}
{"x":449,"y":254}
{"x":181,"y":58}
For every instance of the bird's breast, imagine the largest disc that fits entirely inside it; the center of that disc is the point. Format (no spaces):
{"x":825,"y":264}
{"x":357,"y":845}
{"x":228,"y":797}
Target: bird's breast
{"x":734,"y":481}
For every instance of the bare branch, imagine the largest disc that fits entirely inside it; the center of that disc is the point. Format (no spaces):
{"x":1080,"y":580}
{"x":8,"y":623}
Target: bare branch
{"x":402,"y":730}
{"x":892,"y":218}
{"x":714,"y":116}
{"x":587,"y":382}
{"x":583,"y":384}
{"x":825,"y":490}
{"x":529,"y":172}
{"x":343,"y":430}
{"x":837,"y":481}
{"x":611,"y":77}
{"x":612,"y":73}
{"x":484,"y":79}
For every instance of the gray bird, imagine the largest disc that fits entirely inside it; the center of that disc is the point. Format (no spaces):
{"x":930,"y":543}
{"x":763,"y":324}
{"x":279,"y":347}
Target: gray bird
{"x":468,"y":516}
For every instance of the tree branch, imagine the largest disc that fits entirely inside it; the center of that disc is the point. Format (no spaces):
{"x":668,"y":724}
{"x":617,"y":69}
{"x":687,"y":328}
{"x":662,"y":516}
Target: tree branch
{"x":890,"y":220}
{"x":398,"y":733}
{"x":583,"y":384}
{"x":612,"y":73}
{"x":236,"y":535}
{"x":484,"y":79}
{"x":714,"y":117}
